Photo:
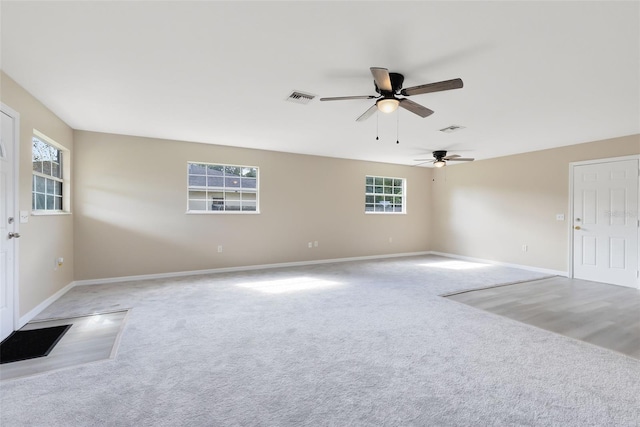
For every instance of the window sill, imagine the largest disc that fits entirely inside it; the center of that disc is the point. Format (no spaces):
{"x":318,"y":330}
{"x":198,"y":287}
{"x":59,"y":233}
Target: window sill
{"x":385,"y":213}
{"x":50,"y":213}
{"x":222,"y":213}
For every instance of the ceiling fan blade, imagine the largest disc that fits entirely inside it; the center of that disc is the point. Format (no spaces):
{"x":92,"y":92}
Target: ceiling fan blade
{"x":452,"y":156}
{"x":381,"y":76}
{"x":462,"y":159}
{"x":344,"y":98}
{"x":368,"y":113}
{"x":415,"y":108}
{"x":423,"y":163}
{"x":432,"y":87}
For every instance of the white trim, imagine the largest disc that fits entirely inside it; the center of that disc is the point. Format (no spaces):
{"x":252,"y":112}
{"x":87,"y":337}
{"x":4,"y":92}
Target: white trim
{"x":572,"y":165}
{"x":234,"y":269}
{"x":44,"y":304}
{"x":16,"y":207}
{"x":504,"y":264}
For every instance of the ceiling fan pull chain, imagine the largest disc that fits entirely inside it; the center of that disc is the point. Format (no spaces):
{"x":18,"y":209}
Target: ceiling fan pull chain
{"x":377,"y":120}
{"x":397,"y":127}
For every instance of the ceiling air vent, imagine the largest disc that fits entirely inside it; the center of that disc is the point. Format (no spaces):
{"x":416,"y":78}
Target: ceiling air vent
{"x":451,"y":129}
{"x":300,"y":97}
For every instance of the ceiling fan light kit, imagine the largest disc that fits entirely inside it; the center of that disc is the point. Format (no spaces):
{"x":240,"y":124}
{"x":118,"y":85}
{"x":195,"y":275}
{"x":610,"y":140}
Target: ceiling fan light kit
{"x":387,"y":105}
{"x":389,"y":85}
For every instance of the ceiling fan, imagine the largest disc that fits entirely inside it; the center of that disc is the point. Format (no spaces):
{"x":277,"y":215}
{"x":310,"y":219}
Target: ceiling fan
{"x":440,"y":159}
{"x":388,"y":85}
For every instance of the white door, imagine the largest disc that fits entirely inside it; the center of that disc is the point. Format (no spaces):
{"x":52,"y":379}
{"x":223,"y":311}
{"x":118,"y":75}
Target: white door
{"x":7,"y":225}
{"x":605,"y":222}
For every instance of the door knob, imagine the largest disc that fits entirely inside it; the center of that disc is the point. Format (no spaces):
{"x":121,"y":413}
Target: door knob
{"x":14,"y":235}
{"x":577,"y":227}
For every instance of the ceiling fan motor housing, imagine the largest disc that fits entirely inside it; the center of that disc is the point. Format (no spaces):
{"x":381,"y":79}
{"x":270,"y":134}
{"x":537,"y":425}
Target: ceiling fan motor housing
{"x":440,"y":154}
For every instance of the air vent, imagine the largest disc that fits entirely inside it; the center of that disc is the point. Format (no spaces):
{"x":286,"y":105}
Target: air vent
{"x":300,"y":97}
{"x":451,"y":129}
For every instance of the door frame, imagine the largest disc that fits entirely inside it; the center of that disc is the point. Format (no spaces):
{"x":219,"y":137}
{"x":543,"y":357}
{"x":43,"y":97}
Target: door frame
{"x":16,"y":209}
{"x":572,"y":165}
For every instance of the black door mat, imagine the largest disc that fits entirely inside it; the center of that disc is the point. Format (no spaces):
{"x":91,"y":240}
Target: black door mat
{"x":30,"y":344}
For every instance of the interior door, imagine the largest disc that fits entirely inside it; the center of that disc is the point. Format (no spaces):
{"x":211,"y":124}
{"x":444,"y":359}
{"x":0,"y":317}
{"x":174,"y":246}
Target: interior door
{"x":7,"y":226}
{"x":605,"y":222}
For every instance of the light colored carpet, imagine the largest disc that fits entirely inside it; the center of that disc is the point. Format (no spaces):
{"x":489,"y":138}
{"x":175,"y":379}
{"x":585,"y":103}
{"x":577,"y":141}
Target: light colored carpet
{"x":366,"y":344}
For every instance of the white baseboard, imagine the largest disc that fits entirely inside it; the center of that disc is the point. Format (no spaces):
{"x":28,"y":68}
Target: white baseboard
{"x":234,"y":269}
{"x":44,"y":304}
{"x":504,"y":264}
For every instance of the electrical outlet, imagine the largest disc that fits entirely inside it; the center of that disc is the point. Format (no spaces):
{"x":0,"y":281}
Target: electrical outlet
{"x":310,"y":244}
{"x":559,"y":217}
{"x":315,"y":244}
{"x":219,"y":248}
{"x":525,"y":248}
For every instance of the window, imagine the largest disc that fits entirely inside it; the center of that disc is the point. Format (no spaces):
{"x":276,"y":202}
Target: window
{"x":48,"y":180}
{"x":222,"y":188}
{"x":384,"y":195}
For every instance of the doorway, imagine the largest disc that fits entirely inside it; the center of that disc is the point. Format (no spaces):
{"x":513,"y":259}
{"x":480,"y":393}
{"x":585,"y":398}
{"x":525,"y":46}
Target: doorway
{"x":604,"y":232}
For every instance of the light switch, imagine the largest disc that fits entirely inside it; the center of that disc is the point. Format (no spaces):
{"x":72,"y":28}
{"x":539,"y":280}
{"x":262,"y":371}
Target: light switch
{"x":559,"y":217}
{"x":24,"y":217}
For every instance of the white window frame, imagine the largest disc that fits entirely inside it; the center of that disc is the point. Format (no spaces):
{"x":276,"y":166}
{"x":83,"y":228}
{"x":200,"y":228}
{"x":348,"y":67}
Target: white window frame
{"x":370,"y":195}
{"x":64,"y":179}
{"x":232,"y":190}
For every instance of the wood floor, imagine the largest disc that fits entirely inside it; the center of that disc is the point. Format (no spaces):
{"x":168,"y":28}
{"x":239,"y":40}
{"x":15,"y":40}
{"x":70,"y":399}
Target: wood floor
{"x":597,"y":313}
{"x":90,"y":339}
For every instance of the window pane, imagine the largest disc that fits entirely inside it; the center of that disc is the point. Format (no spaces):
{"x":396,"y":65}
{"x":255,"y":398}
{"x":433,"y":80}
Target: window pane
{"x":379,"y":181}
{"x":51,"y":188}
{"x":232,"y":171}
{"x":37,"y":166}
{"x":197,"y":205}
{"x":397,"y":190}
{"x":369,"y":180}
{"x":56,"y":170}
{"x":249,"y":172}
{"x":197,"y":180}
{"x":248,"y":206}
{"x":388,"y":190}
{"x":368,"y":208}
{"x":40,"y":198}
{"x":215,"y":181}
{"x":248,"y":182}
{"x":215,"y":170}
{"x":40,"y":186}
{"x":388,"y":181}
{"x":379,"y":189}
{"x":368,"y":199}
{"x":49,"y":202}
{"x":58,"y":202}
{"x":249,"y":197}
{"x":368,"y":189}
{"x":196,"y":169}
{"x":232,"y":182}
{"x":197,"y":195}
{"x":46,"y":168}
{"x":397,"y":182}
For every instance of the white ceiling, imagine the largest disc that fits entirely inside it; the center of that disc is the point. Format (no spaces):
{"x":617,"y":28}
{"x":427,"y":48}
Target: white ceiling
{"x":536,"y":74}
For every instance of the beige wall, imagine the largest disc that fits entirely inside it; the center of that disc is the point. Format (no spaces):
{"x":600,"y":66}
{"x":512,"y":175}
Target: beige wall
{"x":44,"y":238}
{"x":130,"y":203}
{"x":488,"y":209}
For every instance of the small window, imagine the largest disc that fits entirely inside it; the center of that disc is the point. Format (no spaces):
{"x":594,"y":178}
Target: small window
{"x":222,"y":188}
{"x":384,"y":195}
{"x":48,"y":179}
